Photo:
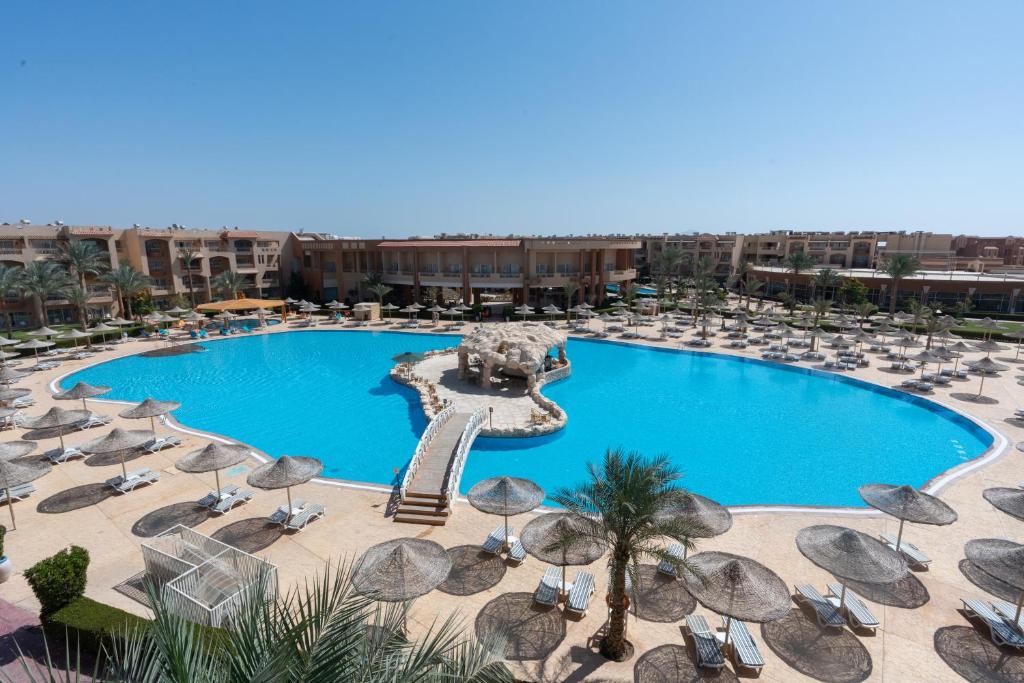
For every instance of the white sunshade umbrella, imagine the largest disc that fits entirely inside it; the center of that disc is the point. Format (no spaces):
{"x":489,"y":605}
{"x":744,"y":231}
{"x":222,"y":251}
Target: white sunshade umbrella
{"x":524,"y":311}
{"x":177,"y":310}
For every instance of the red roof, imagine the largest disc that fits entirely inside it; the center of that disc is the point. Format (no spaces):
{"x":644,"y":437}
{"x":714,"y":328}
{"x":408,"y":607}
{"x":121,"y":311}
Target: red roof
{"x":450,"y":244}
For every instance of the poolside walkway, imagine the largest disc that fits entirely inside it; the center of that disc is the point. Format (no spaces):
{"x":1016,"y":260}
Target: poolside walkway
{"x":923,"y":636}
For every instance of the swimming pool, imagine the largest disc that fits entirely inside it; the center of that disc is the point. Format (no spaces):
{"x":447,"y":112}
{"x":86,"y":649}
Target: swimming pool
{"x":743,"y":432}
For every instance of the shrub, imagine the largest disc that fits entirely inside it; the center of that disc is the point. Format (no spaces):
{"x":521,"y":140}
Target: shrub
{"x":58,"y":580}
{"x":88,"y":624}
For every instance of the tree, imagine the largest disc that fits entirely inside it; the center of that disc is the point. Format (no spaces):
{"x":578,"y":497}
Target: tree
{"x":231,"y":283}
{"x":622,"y":506}
{"x":820,"y":308}
{"x":898,"y":267}
{"x":82,"y":258}
{"x":852,"y":292}
{"x":569,"y":289}
{"x":188,"y":256}
{"x":865,"y":310}
{"x":797,"y":263}
{"x":127,"y":282}
{"x":11,"y":282}
{"x":380,"y":290}
{"x":752,"y":286}
{"x":323,"y":630}
{"x":43,"y":279}
{"x":918,"y":311}
{"x":79,"y":298}
{"x":827,"y":280}
{"x":788,"y":301}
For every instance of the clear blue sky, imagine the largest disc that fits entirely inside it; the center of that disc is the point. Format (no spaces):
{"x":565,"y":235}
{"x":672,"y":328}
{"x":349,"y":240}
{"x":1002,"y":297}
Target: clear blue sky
{"x":410,"y":118}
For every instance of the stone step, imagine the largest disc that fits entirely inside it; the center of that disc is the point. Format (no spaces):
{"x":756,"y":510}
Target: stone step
{"x":420,"y":519}
{"x":411,"y":496}
{"x":430,"y":509}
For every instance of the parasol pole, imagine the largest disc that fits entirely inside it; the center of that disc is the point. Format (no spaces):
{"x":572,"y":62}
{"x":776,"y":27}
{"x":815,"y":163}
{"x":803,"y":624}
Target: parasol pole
{"x":288,"y":489}
{"x":728,"y":625}
{"x":1016,"y":615}
{"x":899,"y":536}
{"x":216,"y":475}
{"x":10,"y":503}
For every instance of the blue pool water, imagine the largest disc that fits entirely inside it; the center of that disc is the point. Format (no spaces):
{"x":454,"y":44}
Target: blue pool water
{"x":743,"y":432}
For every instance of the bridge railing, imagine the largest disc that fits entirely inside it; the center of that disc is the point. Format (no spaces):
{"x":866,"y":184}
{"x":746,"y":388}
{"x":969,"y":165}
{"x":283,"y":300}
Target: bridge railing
{"x":469,"y":434}
{"x":424,"y":444}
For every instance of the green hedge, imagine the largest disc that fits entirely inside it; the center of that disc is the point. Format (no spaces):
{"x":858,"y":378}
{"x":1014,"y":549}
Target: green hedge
{"x":88,"y":624}
{"x":58,"y":580}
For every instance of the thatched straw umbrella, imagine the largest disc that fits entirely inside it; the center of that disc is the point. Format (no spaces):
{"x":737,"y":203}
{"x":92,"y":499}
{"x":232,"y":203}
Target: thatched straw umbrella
{"x":1006,"y":499}
{"x":101,"y":329}
{"x":924,"y":358}
{"x":541,"y":539}
{"x":118,"y":441}
{"x":213,"y":458}
{"x":10,"y":450}
{"x":58,"y":418}
{"x":74,"y":334}
{"x":15,"y":474}
{"x":737,"y":588}
{"x":401,"y":569}
{"x":150,"y":408}
{"x":986,"y":366}
{"x":34,"y":345}
{"x":9,"y":375}
{"x":907,"y":504}
{"x":850,"y":555}
{"x":8,"y":394}
{"x":988,"y":346}
{"x":44,"y":332}
{"x":989,"y":325}
{"x":1000,"y":559}
{"x":706,"y":517}
{"x":505,"y":496}
{"x":284,"y":473}
{"x":82,"y":391}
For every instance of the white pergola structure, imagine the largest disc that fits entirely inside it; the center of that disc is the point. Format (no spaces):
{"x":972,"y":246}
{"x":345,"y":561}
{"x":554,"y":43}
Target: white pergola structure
{"x":202,"y":579}
{"x":516,"y":349}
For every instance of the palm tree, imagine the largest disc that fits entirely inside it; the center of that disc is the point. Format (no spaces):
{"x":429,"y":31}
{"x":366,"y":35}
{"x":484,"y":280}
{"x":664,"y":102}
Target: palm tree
{"x":752,"y":286}
{"x":569,"y":289}
{"x":231,"y":283}
{"x":43,"y":279}
{"x":898,"y":267}
{"x":82,"y":258}
{"x":11,"y":282}
{"x":622,"y":507}
{"x":797,"y":263}
{"x":128,"y":282}
{"x":827,"y":280}
{"x":320,"y":631}
{"x":919,"y":311}
{"x":79,"y":298}
{"x":380,"y":290}
{"x":820,"y":308}
{"x":188,"y":257}
{"x":864,"y":311}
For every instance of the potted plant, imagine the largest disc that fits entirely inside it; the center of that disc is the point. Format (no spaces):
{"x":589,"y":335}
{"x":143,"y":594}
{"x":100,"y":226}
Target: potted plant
{"x":5,"y":565}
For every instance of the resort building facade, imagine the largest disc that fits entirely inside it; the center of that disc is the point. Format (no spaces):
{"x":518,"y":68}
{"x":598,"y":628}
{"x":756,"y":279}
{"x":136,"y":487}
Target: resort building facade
{"x":156,"y":252}
{"x":528,"y":269}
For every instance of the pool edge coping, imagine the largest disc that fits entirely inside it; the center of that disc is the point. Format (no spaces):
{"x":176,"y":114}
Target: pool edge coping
{"x":996,"y":450}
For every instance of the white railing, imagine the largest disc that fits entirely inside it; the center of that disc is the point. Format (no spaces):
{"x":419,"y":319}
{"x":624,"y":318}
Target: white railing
{"x":469,"y":434}
{"x":421,"y":448}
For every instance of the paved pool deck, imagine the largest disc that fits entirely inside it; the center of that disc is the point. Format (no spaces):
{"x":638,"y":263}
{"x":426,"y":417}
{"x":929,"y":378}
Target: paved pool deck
{"x":930,"y":642}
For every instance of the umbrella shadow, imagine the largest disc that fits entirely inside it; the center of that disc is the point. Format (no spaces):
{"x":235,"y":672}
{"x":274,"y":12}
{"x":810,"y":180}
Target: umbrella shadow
{"x":823,"y":654}
{"x":528,"y":632}
{"x":907,"y":593}
{"x":75,"y":498}
{"x":660,"y":598}
{"x":249,"y":535}
{"x":987,"y":583}
{"x":974,"y":398}
{"x":673,"y":664}
{"x":974,"y":657}
{"x":50,"y":433}
{"x":578,"y":664}
{"x":156,"y":522}
{"x":472,"y":571}
{"x":107,"y":459}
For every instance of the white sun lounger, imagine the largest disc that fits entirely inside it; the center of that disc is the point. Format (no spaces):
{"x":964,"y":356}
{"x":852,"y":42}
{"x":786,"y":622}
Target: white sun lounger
{"x":134,"y":479}
{"x":1000,"y":631}
{"x":308,"y":514}
{"x":665,"y":567}
{"x":93,"y":421}
{"x":517,"y":553}
{"x":825,"y":612}
{"x":1007,"y":610}
{"x":281,"y":513}
{"x":911,"y":551}
{"x":582,"y":590}
{"x":17,"y":492}
{"x":744,"y":649}
{"x":547,"y":589}
{"x":214,"y":497}
{"x":858,"y":613}
{"x":227,"y":504}
{"x":59,"y":456}
{"x":162,"y":442}
{"x":496,"y":540}
{"x":709,"y":655}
